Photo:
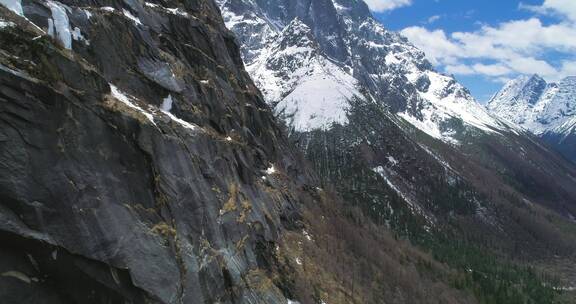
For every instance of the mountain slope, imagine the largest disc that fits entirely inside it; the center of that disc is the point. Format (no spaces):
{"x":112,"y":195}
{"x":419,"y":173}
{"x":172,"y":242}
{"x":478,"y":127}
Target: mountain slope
{"x":546,"y":109}
{"x":303,"y":84}
{"x":416,"y":152}
{"x":388,"y":70}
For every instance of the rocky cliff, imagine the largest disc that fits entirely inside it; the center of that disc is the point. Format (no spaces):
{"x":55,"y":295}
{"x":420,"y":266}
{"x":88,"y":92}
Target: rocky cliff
{"x":140,"y":164}
{"x":138,"y":161}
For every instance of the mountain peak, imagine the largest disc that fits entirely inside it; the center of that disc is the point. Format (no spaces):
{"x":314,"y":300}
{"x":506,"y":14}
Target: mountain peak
{"x":354,"y":8}
{"x":546,"y":109}
{"x":297,"y":23}
{"x":524,"y":89}
{"x":340,"y":42}
{"x":297,"y":34}
{"x":535,"y":77}
{"x":536,"y":105}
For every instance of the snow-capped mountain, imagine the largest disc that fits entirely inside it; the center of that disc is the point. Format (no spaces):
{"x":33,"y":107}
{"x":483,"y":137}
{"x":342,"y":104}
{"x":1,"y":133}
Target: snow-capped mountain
{"x":536,"y":105}
{"x":546,"y":109}
{"x":320,"y":62}
{"x":311,"y":57}
{"x":307,"y":87}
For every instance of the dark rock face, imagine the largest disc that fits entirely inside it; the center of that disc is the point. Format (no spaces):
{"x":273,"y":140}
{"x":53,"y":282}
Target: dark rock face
{"x":105,"y":198}
{"x":320,"y":14}
{"x":534,"y":89}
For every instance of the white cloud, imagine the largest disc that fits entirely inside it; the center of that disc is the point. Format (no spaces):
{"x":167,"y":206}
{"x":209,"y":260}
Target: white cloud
{"x":527,"y":65}
{"x":497,"y":69}
{"x":387,"y":5}
{"x":459,"y":69}
{"x":433,"y":19}
{"x":565,"y":8}
{"x":506,"y":49}
{"x":568,"y":68}
{"x":436,"y":44}
{"x":525,"y":36}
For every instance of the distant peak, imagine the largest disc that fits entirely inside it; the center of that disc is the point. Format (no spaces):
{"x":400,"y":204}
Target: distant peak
{"x":297,"y":23}
{"x":523,"y":90}
{"x":531,"y":83}
{"x":536,"y":77}
{"x":537,"y":105}
{"x":526,"y":80}
{"x":296,"y":27}
{"x":297,"y":33}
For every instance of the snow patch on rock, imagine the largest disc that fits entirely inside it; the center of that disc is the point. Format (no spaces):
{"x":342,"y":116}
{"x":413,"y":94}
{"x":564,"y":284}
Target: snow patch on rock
{"x":59,"y":25}
{"x":129,"y":15}
{"x":307,"y":88}
{"x":173,"y":11}
{"x":5,"y":24}
{"x":13,"y":5}
{"x":122,"y":97}
{"x":167,"y":106}
{"x":77,"y":35}
{"x":271,"y":170}
{"x":392,"y":160}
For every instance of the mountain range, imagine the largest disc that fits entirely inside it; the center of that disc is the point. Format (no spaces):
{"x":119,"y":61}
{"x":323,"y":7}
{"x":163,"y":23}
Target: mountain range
{"x":261,"y":151}
{"x":293,"y":48}
{"x":390,"y":134}
{"x":546,"y":109}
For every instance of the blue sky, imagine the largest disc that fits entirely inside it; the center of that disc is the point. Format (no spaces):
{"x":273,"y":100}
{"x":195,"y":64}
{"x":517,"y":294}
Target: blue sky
{"x":484,"y":43}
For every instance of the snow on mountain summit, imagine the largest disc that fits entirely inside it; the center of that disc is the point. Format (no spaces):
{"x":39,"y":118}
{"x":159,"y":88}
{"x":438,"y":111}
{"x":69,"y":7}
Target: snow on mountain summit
{"x":305,"y":86}
{"x":444,"y":100}
{"x":536,"y":105}
{"x":548,"y":110}
{"x":516,"y":101}
{"x":310,"y":58}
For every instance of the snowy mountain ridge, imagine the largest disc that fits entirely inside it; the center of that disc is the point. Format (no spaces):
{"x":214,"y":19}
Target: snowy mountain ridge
{"x":536,"y":105}
{"x":308,"y":89}
{"x":548,"y":110}
{"x":311,"y":58}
